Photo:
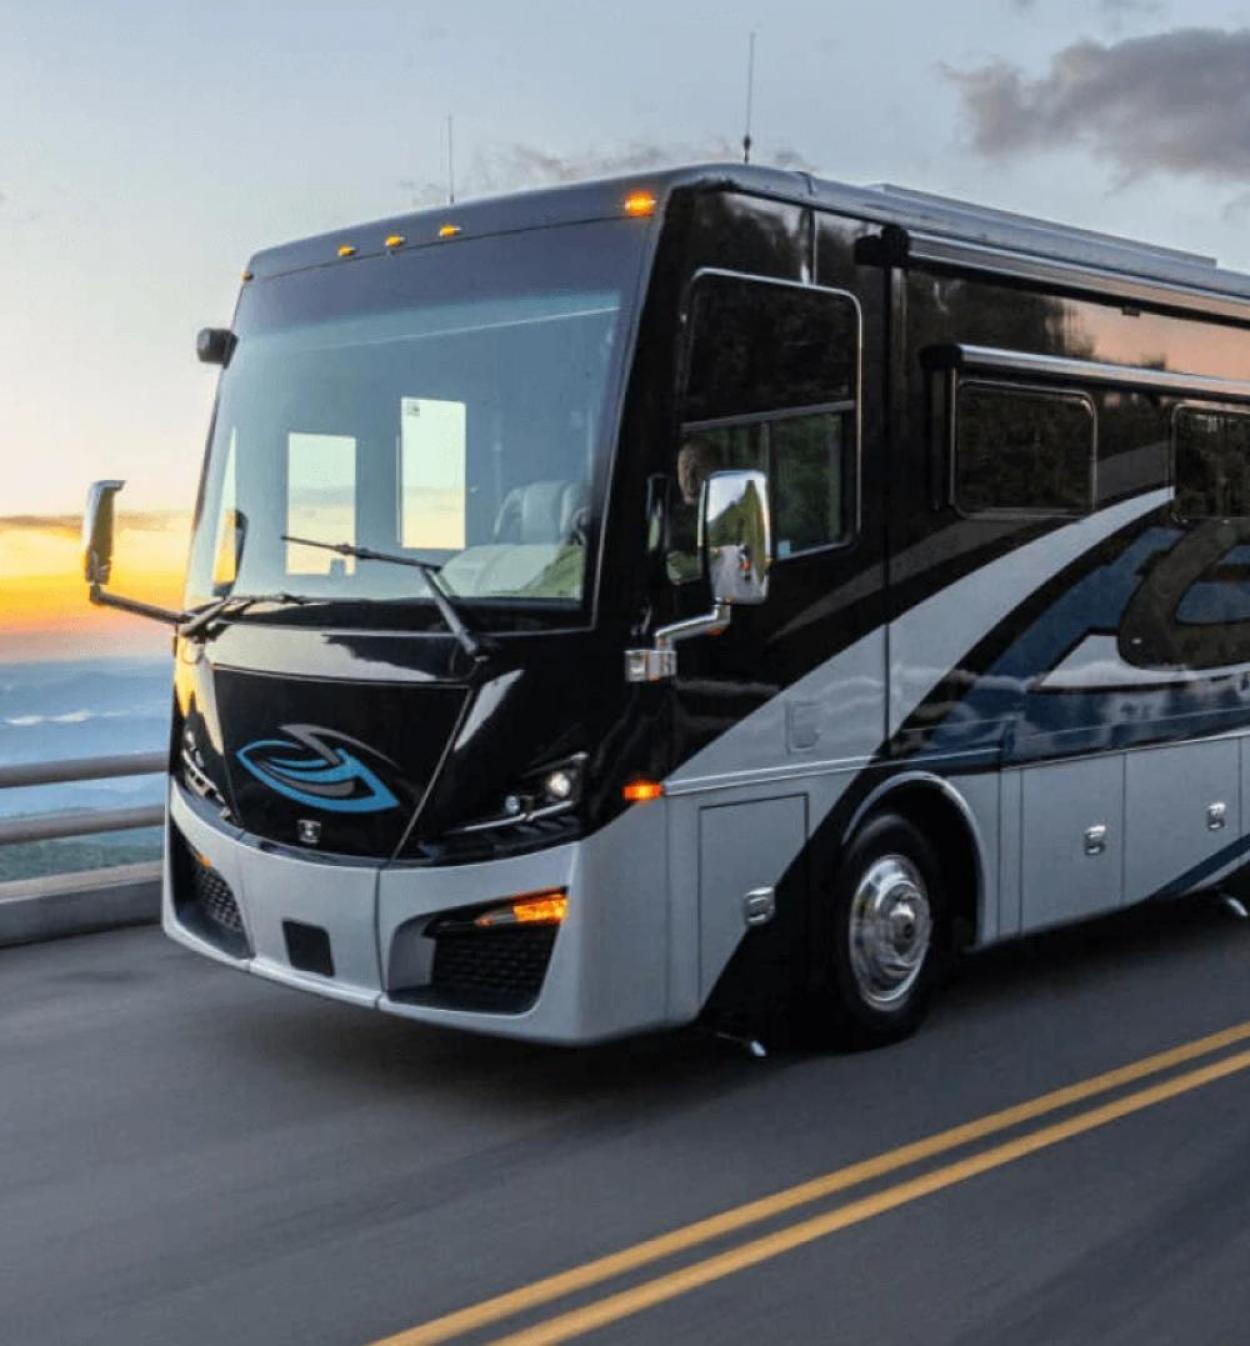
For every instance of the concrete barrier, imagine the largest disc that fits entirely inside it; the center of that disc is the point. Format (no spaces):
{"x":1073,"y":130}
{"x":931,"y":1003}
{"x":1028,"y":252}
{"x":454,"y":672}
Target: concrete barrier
{"x":79,"y":904}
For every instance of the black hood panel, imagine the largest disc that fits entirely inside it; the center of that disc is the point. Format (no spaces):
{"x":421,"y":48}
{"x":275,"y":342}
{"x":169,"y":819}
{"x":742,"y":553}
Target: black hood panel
{"x":339,"y":767}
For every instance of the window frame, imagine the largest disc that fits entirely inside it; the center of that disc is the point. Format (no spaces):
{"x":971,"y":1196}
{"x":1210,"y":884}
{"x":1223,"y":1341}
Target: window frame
{"x":841,"y":406}
{"x":1018,"y":386}
{"x":1207,"y":409}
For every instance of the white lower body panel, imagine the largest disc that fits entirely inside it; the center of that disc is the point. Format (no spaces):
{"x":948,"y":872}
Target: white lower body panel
{"x":609,"y":973}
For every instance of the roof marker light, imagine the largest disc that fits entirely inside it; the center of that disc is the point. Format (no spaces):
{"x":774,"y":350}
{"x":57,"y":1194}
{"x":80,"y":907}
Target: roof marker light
{"x":247,"y":275}
{"x":448,"y":230}
{"x":639,"y":204}
{"x":395,"y":241}
{"x":346,"y":250}
{"x":642,"y":791}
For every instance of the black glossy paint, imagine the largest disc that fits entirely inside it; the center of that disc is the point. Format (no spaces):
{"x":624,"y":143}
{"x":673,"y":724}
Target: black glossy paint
{"x":1169,"y":592}
{"x":821,"y":601}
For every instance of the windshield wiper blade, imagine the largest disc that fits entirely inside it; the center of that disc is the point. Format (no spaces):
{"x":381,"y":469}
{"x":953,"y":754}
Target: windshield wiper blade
{"x":232,"y":605}
{"x":469,"y":641}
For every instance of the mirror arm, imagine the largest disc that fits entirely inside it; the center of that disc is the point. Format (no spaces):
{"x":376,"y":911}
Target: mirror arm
{"x":710,"y":624}
{"x":660,"y":661}
{"x":104,"y":599}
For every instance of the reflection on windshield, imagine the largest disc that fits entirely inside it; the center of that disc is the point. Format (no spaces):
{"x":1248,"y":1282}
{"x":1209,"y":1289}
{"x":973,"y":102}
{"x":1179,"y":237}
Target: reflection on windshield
{"x":466,"y":433}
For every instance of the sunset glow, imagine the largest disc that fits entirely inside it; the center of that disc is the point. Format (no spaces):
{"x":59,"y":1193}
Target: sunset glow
{"x":44,"y":612}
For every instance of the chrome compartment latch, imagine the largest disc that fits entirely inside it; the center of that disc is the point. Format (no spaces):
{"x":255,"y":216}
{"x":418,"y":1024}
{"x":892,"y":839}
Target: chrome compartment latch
{"x":759,"y":906}
{"x":1096,"y":839}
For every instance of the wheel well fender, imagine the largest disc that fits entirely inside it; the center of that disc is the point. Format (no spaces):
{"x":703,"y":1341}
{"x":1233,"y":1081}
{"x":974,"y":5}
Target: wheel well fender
{"x":937,"y":809}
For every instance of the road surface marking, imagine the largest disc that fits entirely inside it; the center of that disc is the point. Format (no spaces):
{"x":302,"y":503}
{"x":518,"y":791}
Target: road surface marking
{"x":662,"y":1288}
{"x":690,"y":1236}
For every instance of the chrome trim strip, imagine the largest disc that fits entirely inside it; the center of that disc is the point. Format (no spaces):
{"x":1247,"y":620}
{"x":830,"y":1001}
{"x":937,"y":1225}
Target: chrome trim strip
{"x":988,"y":358}
{"x":1142,"y":289}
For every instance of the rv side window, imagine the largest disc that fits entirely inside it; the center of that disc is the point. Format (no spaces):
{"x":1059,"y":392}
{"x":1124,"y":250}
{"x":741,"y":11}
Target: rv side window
{"x":1211,"y":455}
{"x":771,"y":381}
{"x":1022,"y":450}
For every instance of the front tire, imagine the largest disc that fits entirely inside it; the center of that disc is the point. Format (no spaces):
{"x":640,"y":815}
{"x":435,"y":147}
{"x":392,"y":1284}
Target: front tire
{"x":880,"y":931}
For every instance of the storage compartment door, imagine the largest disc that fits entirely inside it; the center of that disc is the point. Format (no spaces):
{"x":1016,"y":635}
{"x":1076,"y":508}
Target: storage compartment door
{"x":742,"y":847}
{"x":1072,"y":859}
{"x":1183,"y":809}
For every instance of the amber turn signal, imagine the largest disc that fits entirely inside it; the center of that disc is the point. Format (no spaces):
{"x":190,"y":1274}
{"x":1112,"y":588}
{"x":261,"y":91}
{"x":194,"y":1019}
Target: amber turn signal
{"x":639,"y":204}
{"x":642,"y":791}
{"x":536,"y":909}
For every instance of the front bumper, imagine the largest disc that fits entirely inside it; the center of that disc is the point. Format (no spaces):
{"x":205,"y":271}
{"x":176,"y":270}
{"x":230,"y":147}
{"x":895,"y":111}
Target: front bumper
{"x":608,"y":973}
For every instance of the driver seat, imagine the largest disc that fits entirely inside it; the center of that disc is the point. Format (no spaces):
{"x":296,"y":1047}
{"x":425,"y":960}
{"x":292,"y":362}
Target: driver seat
{"x":541,"y":512}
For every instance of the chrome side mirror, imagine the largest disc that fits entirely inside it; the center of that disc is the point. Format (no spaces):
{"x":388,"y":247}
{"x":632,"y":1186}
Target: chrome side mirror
{"x":97,"y":531}
{"x":735,"y":533}
{"x":735,"y":540}
{"x":97,"y":556}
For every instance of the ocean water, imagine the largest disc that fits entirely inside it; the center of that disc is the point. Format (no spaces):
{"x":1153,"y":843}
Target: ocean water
{"x":57,"y":709}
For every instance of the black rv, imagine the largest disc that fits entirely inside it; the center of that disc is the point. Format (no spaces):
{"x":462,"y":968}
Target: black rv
{"x":720,"y":593}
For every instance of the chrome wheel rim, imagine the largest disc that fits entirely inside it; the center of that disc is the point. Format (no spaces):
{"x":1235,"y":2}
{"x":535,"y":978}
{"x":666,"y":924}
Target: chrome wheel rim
{"x":891,"y":930}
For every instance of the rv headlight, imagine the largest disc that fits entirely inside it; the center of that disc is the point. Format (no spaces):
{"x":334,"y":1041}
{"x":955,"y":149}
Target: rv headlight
{"x":546,"y":793}
{"x":561,"y":784}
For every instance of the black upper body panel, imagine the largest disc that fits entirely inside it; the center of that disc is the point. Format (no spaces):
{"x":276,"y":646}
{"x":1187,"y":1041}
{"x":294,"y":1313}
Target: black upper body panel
{"x":448,"y":740}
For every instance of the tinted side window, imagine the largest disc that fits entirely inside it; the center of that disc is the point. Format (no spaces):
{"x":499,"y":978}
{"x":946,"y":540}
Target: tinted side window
{"x":759,"y":347}
{"x":1212,"y":463}
{"x":807,"y":458}
{"x":1022,"y":450}
{"x":771,"y":382}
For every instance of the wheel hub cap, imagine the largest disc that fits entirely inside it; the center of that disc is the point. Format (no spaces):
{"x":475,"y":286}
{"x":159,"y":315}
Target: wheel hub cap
{"x":891,"y":928}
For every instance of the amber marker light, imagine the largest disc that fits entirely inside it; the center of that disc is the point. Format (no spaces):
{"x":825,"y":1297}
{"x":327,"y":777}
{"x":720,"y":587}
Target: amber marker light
{"x":247,"y":275}
{"x":395,"y":241}
{"x":448,"y":230}
{"x":639,"y":204}
{"x":642,"y":791}
{"x":346,"y":250}
{"x":537,"y":909}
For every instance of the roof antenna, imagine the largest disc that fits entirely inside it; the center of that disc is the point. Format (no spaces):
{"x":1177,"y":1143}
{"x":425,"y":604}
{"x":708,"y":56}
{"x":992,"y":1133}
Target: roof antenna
{"x":746,"y":136}
{"x":451,"y":161}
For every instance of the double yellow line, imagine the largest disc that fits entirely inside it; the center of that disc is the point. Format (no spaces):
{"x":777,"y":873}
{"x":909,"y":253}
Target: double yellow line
{"x":573,"y":1323}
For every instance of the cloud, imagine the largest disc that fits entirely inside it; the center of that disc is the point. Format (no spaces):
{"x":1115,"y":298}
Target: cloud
{"x":1114,"y":10}
{"x":1176,"y":102}
{"x":515,"y":166}
{"x":70,"y":525}
{"x":1127,"y":9}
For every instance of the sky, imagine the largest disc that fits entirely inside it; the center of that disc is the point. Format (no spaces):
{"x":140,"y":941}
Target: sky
{"x":152,"y":145}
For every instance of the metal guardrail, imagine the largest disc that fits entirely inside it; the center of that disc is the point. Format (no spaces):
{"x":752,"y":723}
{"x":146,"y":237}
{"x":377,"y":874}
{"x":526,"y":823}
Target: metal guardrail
{"x":80,"y":822}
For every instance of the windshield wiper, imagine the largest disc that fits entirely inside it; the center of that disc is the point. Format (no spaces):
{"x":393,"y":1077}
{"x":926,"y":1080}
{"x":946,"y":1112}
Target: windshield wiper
{"x":231,"y":606}
{"x":469,"y":641}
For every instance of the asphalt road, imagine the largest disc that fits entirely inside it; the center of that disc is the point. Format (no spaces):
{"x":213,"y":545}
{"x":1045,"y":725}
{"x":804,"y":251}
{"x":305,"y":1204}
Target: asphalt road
{"x":192,"y":1156}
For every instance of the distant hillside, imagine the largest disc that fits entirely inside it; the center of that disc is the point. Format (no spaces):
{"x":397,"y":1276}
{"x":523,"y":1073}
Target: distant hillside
{"x":53,"y":710}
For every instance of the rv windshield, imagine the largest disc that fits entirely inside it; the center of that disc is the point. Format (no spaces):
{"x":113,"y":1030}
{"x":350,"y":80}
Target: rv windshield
{"x":450,"y":403}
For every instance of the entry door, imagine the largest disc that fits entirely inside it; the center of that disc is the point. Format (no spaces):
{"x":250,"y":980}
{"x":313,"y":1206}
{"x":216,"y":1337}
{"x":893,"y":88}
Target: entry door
{"x":773,"y":379}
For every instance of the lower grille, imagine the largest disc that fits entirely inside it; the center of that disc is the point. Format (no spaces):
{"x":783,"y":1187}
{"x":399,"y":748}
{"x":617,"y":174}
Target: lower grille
{"x":204,"y":902}
{"x":216,"y":900}
{"x":494,"y":970}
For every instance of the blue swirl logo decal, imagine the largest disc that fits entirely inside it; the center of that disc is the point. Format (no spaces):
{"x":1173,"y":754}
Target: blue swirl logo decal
{"x":324,"y":776}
